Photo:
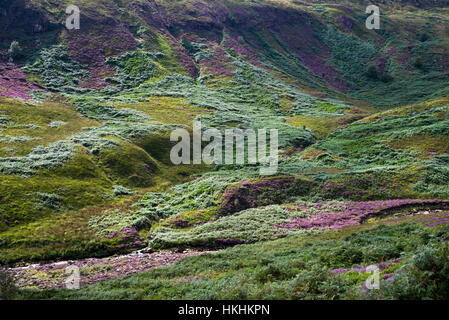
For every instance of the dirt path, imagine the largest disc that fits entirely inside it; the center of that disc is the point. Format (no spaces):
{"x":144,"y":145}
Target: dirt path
{"x":93,"y":270}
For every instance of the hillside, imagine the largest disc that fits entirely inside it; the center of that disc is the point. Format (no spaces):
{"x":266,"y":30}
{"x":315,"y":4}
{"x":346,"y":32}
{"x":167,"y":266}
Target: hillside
{"x":363,"y":118}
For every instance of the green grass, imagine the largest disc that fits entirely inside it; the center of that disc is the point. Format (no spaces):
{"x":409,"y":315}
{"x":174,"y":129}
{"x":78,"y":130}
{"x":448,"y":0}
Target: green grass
{"x":169,"y":110}
{"x":297,"y":267}
{"x":35,"y":121}
{"x":385,"y":137}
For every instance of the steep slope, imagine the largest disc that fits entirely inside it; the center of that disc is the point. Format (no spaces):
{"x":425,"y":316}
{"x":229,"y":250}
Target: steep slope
{"x":86,"y":115}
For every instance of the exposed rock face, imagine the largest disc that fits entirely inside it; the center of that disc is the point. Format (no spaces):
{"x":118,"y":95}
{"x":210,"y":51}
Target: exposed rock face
{"x":18,"y":18}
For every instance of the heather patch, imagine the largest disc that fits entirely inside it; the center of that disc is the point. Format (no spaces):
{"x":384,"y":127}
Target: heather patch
{"x":340,"y":215}
{"x":95,"y":270}
{"x":433,"y":218}
{"x":236,"y":43}
{"x":212,"y":59}
{"x":312,"y":52}
{"x":13,"y":83}
{"x":92,"y":44}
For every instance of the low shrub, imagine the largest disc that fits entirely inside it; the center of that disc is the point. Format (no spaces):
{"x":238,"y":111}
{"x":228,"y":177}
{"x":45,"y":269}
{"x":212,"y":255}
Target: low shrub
{"x":8,"y":289}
